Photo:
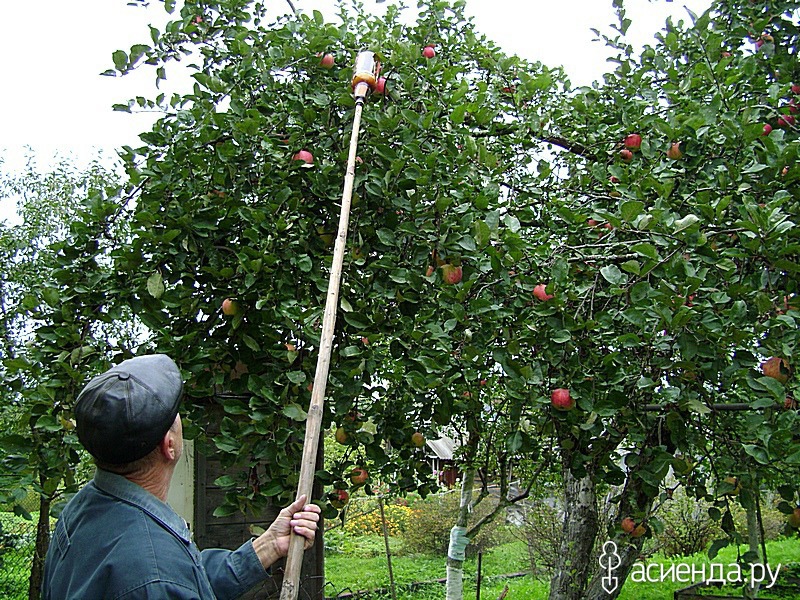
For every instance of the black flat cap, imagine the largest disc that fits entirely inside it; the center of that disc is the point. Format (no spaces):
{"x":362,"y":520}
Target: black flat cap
{"x":124,"y":413}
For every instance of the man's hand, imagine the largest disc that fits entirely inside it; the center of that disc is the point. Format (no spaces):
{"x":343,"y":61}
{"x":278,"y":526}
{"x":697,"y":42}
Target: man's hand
{"x":299,"y":517}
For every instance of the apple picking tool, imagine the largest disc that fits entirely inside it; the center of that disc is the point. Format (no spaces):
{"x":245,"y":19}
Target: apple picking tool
{"x":364,"y":78}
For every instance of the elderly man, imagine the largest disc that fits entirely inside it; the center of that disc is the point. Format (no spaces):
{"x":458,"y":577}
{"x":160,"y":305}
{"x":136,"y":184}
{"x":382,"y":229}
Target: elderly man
{"x":118,"y":539}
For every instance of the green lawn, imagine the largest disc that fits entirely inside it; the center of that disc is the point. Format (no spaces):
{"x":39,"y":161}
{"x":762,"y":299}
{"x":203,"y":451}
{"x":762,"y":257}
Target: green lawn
{"x":349,"y":573}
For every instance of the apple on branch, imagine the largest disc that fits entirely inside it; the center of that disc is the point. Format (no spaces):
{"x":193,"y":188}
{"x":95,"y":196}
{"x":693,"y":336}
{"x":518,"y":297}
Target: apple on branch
{"x":339,"y":498}
{"x":342,"y":436}
{"x":451,"y":274}
{"x":628,"y":525}
{"x":639,"y":530}
{"x":327,"y":61}
{"x":674,"y":152}
{"x":429,"y":51}
{"x":359,"y":476}
{"x":777,"y":368}
{"x":540,"y":293}
{"x":230,"y":307}
{"x":305,"y":156}
{"x":561,"y":399}
{"x":794,"y":518}
{"x":418,"y":439}
{"x":633,"y":141}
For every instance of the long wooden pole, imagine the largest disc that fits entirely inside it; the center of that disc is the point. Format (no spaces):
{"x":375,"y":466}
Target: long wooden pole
{"x":294,"y":558}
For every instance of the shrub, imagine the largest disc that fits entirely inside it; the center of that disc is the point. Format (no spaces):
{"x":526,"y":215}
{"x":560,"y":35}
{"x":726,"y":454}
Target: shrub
{"x":364,"y":517}
{"x":541,"y":529}
{"x":428,"y":530}
{"x":688,"y":529}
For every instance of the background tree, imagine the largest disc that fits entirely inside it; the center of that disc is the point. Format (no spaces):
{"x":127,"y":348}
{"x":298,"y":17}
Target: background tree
{"x":58,"y":328}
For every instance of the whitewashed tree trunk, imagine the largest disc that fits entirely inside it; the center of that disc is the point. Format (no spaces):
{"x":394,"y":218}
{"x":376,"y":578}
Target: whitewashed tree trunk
{"x":455,"y":566}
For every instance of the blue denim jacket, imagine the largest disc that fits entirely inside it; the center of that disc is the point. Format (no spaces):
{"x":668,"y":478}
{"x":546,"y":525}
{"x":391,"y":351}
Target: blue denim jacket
{"x":116,"y":541}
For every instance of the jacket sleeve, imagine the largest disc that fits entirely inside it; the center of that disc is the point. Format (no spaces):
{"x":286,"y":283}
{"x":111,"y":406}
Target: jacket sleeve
{"x":233,"y":572}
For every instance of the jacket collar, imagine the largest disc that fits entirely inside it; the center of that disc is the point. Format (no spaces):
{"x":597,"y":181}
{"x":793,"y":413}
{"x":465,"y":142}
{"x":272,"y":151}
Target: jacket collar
{"x":127,"y":491}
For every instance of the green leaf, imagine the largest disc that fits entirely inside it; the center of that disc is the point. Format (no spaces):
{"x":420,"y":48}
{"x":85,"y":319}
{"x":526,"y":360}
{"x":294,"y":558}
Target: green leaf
{"x":759,"y":454}
{"x":120,"y":58}
{"x":357,"y":320}
{"x":612,"y":274}
{"x":631,"y":209}
{"x":716,"y":546}
{"x":686,"y":222}
{"x":226,"y":510}
{"x":250,"y":343}
{"x":155,"y":285}
{"x":295,"y":412}
{"x":296,"y":376}
{"x":646,"y":250}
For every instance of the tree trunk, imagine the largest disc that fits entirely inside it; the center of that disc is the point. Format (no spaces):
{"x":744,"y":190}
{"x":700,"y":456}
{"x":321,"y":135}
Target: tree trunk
{"x":754,"y":541}
{"x":40,"y":549}
{"x":577,"y":537}
{"x":455,"y":566}
{"x":636,"y":502}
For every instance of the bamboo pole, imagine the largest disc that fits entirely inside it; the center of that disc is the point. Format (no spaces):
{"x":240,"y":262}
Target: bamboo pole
{"x":388,"y":550}
{"x":294,"y":558}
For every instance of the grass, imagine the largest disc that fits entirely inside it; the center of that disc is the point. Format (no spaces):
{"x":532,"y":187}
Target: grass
{"x":346,"y":572}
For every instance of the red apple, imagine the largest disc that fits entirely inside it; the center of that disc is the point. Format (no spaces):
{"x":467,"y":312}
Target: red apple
{"x":540,"y":293}
{"x":633,"y":141}
{"x":767,"y":129}
{"x":613,"y":179}
{"x":429,"y":271}
{"x":418,"y":439}
{"x":626,"y":155}
{"x":339,"y":498}
{"x":726,"y":54}
{"x":358,"y":476}
{"x":327,"y":61}
{"x":561,"y":399}
{"x":639,"y":530}
{"x":628,"y":525}
{"x":230,"y":307}
{"x":674,"y":151}
{"x":428,"y":51}
{"x":380,"y":86}
{"x":305,"y":156}
{"x":777,"y":368}
{"x":794,"y":518}
{"x":786,"y":120}
{"x":795,"y":89}
{"x":451,"y":273}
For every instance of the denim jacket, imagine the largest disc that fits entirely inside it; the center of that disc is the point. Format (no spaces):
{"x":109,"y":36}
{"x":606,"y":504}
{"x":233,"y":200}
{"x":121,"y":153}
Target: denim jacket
{"x":116,"y":541}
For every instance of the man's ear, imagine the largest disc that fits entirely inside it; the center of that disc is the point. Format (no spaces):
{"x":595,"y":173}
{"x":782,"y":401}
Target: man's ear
{"x":167,"y":447}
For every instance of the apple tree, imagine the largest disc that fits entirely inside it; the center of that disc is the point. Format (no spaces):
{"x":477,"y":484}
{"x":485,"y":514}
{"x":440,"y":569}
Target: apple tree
{"x":665,"y":258}
{"x":672,"y":254}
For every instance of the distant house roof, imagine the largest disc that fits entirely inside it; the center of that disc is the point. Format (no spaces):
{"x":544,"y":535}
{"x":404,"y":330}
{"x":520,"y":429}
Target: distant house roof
{"x":443,"y":447}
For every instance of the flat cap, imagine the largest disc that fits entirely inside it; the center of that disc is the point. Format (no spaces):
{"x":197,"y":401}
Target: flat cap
{"x":122,"y":414}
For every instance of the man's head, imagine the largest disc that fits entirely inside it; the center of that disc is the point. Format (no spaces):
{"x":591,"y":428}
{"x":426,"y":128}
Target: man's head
{"x":123,"y":414}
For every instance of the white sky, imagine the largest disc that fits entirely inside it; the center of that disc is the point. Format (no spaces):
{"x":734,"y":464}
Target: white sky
{"x":52,"y":52}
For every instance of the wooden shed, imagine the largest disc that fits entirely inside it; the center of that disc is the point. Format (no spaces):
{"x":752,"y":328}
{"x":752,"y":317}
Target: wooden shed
{"x":194,"y":496}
